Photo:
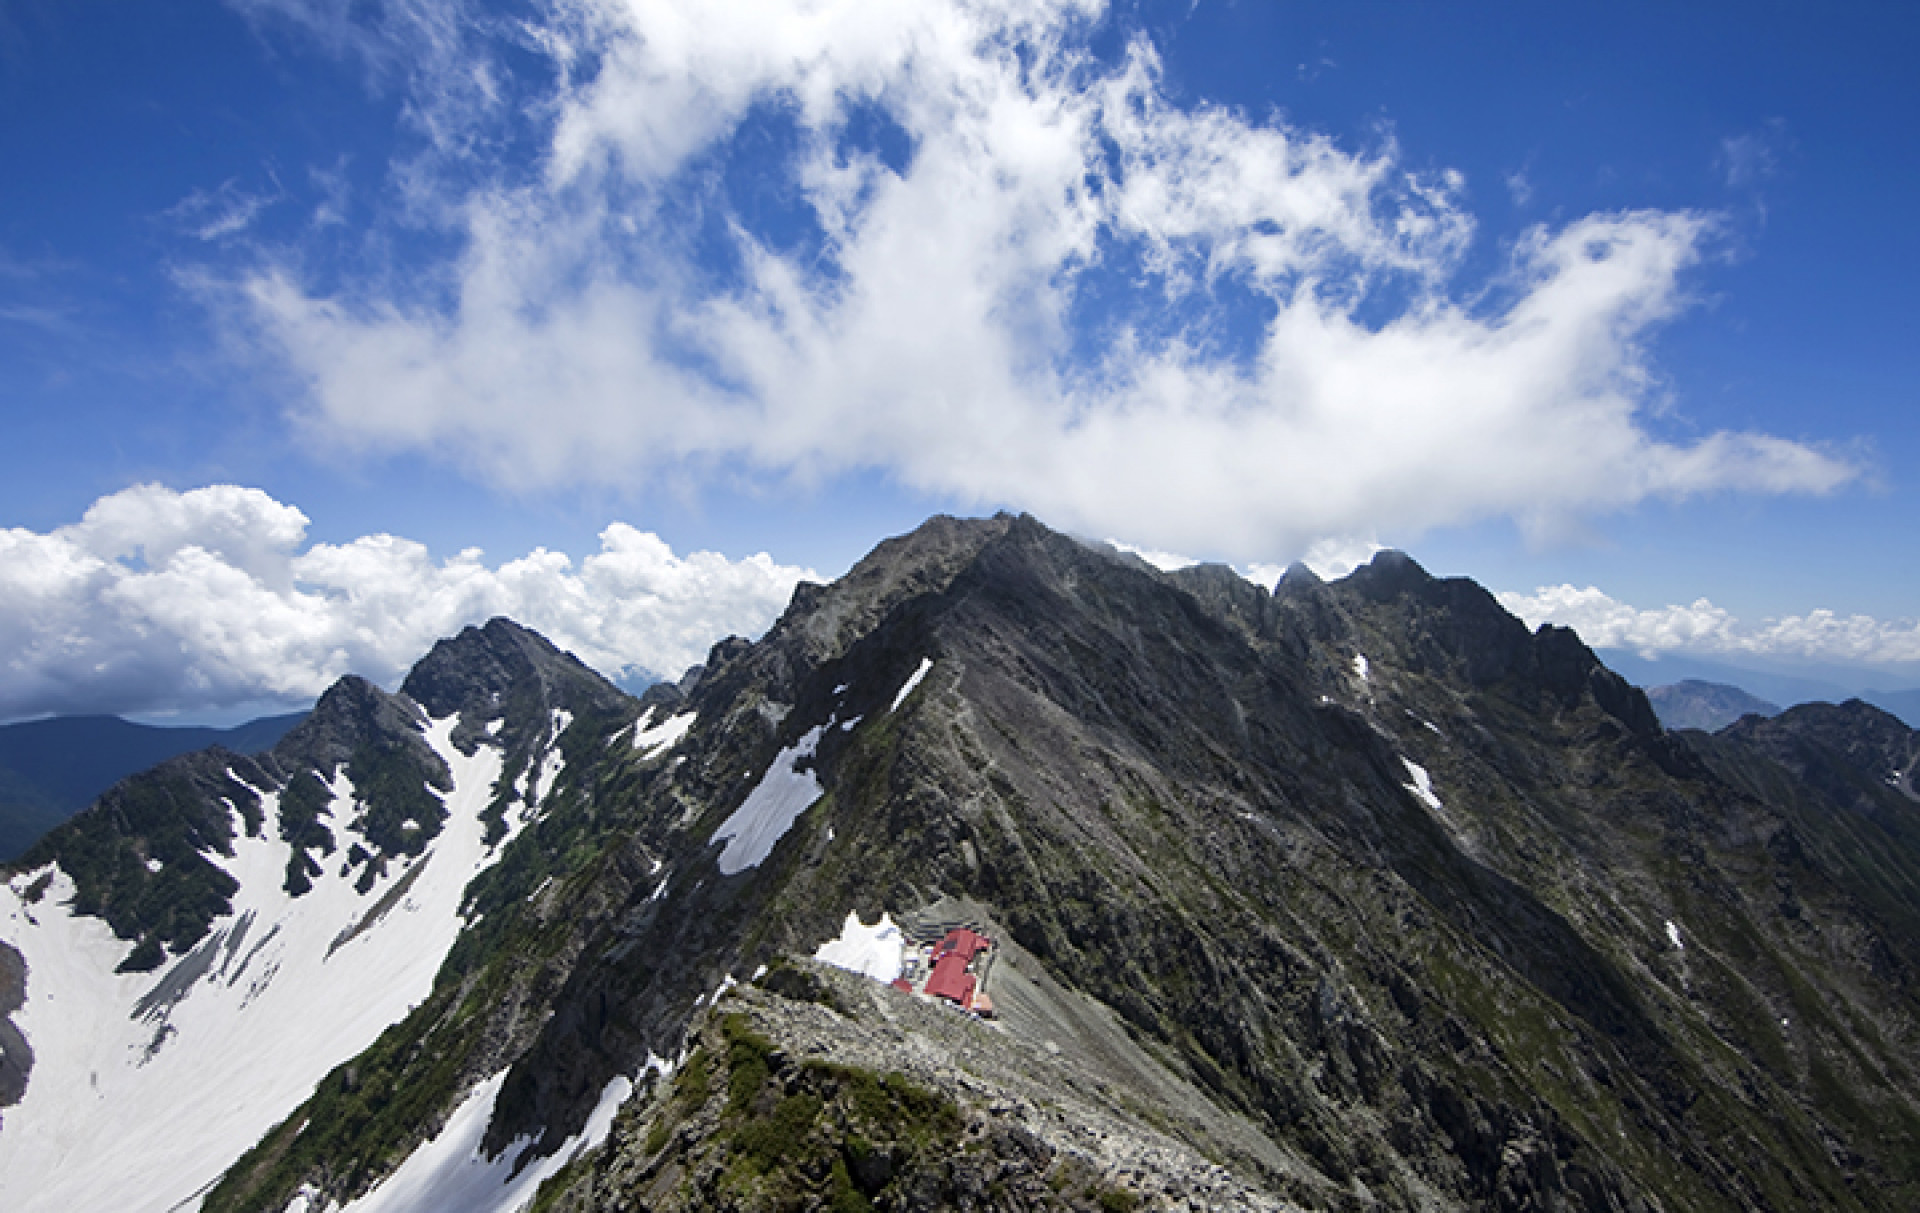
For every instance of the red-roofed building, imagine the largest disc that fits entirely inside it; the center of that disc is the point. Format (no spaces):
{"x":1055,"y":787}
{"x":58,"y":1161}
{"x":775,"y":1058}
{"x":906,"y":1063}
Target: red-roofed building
{"x":963,"y":941}
{"x":950,"y":979}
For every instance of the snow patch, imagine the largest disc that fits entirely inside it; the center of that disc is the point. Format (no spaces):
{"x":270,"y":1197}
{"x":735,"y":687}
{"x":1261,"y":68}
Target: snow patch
{"x":1360,"y":665}
{"x":900,"y":697}
{"x":1421,"y":785}
{"x":551,"y":763}
{"x":450,"y":1174}
{"x":125,"y":1110}
{"x":1673,"y":937}
{"x":720,"y":991}
{"x":878,"y":951}
{"x":770,"y":810}
{"x":664,"y":735}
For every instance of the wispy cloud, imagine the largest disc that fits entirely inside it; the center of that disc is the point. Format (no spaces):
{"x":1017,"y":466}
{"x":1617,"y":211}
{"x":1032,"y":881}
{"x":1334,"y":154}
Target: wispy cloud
{"x":226,"y":210}
{"x":1702,"y":629}
{"x":335,"y":193}
{"x":1205,"y":331}
{"x":49,"y":319}
{"x":1519,"y":188}
{"x":212,"y":597}
{"x":1748,"y":159}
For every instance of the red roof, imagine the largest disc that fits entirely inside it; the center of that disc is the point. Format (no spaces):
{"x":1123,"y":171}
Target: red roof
{"x":950,"y":979}
{"x":963,"y":941}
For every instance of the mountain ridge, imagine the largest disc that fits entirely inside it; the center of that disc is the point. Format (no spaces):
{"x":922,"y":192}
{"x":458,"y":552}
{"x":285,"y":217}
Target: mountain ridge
{"x":1428,"y":902}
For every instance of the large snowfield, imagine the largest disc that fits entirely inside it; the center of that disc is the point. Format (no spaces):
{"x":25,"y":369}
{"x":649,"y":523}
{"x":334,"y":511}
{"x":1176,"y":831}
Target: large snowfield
{"x":770,"y":810}
{"x":450,"y":1174}
{"x":126,"y":1110}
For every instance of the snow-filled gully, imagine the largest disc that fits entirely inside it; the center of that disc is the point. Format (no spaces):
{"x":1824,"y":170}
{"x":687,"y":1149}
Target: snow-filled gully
{"x":146,"y":1087}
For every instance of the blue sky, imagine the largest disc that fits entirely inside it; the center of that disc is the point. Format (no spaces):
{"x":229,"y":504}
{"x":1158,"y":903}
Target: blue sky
{"x":1600,"y":304}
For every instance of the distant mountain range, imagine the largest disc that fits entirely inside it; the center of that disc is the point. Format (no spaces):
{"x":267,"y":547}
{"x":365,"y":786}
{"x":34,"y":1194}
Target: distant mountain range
{"x":51,"y":769}
{"x":1825,"y":686}
{"x":1355,"y":896}
{"x":1711,"y":706}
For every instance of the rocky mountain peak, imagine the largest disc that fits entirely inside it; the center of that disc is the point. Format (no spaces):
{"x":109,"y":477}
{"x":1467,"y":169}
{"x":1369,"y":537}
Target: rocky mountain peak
{"x":1390,"y":574}
{"x":1298,"y":578}
{"x":825,"y":621}
{"x":1853,"y":751}
{"x":350,"y":716}
{"x":510,"y":674}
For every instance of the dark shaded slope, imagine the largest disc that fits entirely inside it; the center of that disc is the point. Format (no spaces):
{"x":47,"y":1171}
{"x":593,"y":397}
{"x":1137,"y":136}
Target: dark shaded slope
{"x":138,"y":857}
{"x":1844,"y":777}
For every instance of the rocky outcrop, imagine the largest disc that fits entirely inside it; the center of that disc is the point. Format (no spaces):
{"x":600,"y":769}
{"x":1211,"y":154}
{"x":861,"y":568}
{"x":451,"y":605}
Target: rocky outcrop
{"x":16,"y":1055}
{"x":840,"y":1093}
{"x":506,"y":682}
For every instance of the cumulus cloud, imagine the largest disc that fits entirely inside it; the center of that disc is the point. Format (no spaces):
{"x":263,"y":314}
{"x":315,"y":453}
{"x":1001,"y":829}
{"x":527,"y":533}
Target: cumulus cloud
{"x":1048,"y":286}
{"x":158,"y":599}
{"x":1705,"y":630}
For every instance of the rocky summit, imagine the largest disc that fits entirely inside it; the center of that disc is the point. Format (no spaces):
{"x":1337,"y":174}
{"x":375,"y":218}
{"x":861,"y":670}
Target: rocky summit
{"x":1005,"y":873}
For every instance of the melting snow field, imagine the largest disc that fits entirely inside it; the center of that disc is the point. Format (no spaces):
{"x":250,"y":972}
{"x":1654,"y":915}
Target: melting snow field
{"x":543,"y":777}
{"x":913,"y":680}
{"x":449,"y":1174}
{"x":291,"y":988}
{"x":878,"y":951}
{"x":664,"y":735}
{"x":770,"y":810}
{"x":1422,"y":785}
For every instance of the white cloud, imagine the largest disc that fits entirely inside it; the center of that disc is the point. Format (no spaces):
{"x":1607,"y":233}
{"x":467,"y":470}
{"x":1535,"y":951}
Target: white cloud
{"x":1332,"y":559}
{"x":1203,"y":330}
{"x":1749,"y":159}
{"x":164,"y":600}
{"x":1519,"y":188}
{"x":1705,"y":630}
{"x":226,"y":210}
{"x":1166,"y":562}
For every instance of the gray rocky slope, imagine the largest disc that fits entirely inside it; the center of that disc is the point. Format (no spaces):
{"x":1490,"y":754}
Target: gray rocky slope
{"x":1352,"y":895}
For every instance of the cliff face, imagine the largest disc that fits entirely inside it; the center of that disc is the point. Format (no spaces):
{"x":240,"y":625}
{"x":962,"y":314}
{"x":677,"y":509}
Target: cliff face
{"x":1360,"y":893}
